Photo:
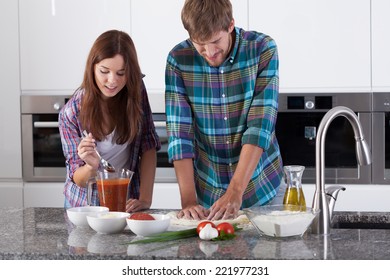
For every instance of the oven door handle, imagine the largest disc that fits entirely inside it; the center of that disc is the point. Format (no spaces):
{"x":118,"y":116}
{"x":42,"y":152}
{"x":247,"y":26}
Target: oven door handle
{"x":46,"y":124}
{"x":160,"y":124}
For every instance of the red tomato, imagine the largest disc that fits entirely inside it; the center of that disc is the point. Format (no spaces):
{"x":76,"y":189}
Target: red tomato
{"x":201,"y":225}
{"x":226,"y":228}
{"x":141,"y":216}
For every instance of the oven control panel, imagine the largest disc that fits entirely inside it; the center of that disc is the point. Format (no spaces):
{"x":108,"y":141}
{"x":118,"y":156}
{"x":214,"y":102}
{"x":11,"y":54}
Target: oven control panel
{"x":309,"y":102}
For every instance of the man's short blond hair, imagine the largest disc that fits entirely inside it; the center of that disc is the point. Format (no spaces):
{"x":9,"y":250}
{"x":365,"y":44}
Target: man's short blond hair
{"x":203,"y":18}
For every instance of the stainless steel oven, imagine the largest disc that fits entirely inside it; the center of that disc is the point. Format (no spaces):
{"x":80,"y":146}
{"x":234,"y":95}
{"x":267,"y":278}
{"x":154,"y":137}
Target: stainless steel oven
{"x":42,"y":155}
{"x":165,"y":173}
{"x":298,"y":119}
{"x":381,"y":138}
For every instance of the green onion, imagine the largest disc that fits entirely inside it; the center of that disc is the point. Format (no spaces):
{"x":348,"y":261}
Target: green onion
{"x":180,"y":234}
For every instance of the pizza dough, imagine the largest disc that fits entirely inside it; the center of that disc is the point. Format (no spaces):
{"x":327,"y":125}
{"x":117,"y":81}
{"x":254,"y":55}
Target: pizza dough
{"x":241,"y":220}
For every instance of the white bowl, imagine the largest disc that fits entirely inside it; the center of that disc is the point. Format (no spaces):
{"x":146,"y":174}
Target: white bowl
{"x":149,"y":227}
{"x":78,"y":215}
{"x":109,"y":222}
{"x":279,"y":220}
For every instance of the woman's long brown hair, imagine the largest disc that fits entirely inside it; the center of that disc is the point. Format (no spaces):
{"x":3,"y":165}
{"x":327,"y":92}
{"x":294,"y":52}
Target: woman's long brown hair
{"x":125,"y":108}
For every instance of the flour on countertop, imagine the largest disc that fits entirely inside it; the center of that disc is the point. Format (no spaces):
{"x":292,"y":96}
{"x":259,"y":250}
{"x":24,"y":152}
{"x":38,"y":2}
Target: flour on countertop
{"x":241,"y":221}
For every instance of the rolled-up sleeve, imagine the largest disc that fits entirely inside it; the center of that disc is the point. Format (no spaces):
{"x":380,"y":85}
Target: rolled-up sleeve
{"x":69,"y":128}
{"x":262,"y":114}
{"x":179,"y":115}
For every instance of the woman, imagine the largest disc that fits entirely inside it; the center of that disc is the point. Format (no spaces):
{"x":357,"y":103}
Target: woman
{"x":112,"y":105}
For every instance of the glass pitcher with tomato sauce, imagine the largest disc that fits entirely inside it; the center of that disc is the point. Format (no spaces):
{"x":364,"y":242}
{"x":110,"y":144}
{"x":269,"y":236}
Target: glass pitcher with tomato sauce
{"x":112,"y":188}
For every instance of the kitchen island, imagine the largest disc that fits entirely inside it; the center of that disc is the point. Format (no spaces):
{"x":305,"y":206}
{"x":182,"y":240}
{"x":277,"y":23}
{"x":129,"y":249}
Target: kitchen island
{"x":47,"y":234}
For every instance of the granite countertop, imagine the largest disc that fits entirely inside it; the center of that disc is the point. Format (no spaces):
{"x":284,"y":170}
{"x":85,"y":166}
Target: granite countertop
{"x":46,"y":233}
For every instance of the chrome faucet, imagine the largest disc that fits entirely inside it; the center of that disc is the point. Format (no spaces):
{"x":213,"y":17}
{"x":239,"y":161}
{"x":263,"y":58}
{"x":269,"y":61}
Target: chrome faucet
{"x":321,"y":200}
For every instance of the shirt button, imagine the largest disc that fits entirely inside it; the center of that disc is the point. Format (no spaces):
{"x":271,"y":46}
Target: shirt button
{"x":227,"y":142}
{"x":230,"y":164}
{"x":225,"y":118}
{"x":223,"y":95}
{"x":221,"y":71}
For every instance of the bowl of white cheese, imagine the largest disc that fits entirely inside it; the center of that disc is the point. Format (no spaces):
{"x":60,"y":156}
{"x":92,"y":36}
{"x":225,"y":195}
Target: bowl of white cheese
{"x":109,"y":222}
{"x":281,"y":220}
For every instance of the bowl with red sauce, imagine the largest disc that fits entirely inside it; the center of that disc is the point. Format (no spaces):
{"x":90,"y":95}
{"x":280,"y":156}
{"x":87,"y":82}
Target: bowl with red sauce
{"x":144,"y":224}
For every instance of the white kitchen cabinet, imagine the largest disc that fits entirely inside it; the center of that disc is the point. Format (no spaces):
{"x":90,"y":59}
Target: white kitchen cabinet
{"x":364,"y":198}
{"x":156,"y":31}
{"x":11,"y":194}
{"x":10,"y":139}
{"x":43,"y":194}
{"x":50,"y":194}
{"x":324,"y":45}
{"x":380,"y":10}
{"x":166,"y":196}
{"x":240,"y":13}
{"x":56,"y":36}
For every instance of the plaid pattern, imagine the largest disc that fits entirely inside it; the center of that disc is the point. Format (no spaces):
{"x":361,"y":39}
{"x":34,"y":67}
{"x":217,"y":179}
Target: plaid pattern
{"x":213,"y":111}
{"x":71,"y":131}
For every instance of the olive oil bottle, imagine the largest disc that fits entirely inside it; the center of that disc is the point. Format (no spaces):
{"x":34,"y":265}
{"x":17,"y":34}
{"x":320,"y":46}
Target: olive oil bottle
{"x":294,"y":199}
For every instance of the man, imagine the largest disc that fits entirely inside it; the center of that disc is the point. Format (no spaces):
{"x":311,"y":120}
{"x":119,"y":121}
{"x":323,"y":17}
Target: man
{"x":221,"y":104}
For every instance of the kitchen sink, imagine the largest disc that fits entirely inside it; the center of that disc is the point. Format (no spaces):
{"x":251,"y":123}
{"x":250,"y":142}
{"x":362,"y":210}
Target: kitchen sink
{"x":361,"y":220}
{"x":361,"y":225}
